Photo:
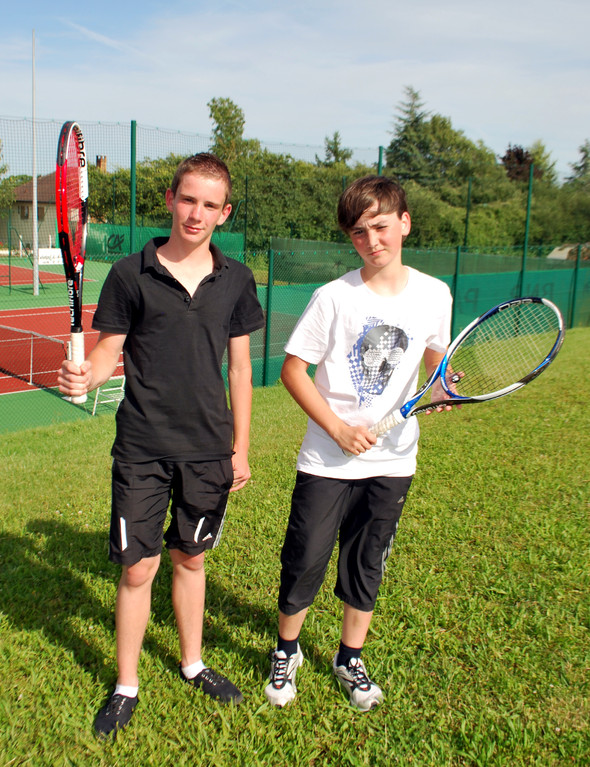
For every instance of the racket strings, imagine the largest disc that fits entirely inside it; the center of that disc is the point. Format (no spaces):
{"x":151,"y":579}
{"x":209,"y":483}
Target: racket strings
{"x":504,"y":349}
{"x":73,"y":197}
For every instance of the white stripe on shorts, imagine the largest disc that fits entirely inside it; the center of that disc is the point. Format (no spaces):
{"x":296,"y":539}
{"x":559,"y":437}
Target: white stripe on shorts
{"x":220,"y":531}
{"x":123,"y":531}
{"x":198,"y":530}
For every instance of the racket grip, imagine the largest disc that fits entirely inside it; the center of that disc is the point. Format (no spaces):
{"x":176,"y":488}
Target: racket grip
{"x":383,"y":426}
{"x":387,"y":423}
{"x":76,"y":355}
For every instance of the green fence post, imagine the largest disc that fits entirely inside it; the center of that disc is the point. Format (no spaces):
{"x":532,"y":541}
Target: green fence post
{"x":270,"y":281}
{"x":9,"y":250}
{"x":246,"y":218}
{"x":455,"y":290}
{"x":576,"y":277}
{"x":114,"y":201}
{"x":380,"y":163}
{"x":132,"y":187}
{"x":467,"y":211}
{"x":526,"y":228}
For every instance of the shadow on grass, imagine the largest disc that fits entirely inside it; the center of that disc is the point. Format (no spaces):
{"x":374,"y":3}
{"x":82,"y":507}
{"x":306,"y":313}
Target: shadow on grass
{"x":44,"y":586}
{"x":44,"y":590}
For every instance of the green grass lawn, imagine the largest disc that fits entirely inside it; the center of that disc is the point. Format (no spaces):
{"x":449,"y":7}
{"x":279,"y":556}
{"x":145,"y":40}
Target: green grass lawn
{"x":481,"y":632}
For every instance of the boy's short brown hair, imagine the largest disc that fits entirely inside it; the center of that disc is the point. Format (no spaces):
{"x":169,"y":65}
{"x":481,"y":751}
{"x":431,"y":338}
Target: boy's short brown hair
{"x":206,"y":164}
{"x":363,"y":193}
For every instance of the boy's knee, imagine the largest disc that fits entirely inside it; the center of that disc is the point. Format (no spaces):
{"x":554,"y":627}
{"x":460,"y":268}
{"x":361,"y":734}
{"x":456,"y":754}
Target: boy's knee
{"x":141,"y":572}
{"x":186,"y":561}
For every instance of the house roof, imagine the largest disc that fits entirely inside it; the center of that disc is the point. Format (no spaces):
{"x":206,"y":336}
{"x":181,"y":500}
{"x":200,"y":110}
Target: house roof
{"x":45,"y":190}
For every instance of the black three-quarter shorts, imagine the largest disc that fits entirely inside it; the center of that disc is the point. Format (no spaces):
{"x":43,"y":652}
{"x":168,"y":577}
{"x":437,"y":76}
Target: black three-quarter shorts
{"x":363,"y":513}
{"x":141,"y":495}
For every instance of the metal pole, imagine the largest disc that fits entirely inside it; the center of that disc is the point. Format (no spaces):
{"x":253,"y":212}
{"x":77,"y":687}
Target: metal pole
{"x":526,"y":229}
{"x":380,"y":164}
{"x":10,"y":250}
{"x":35,"y":214}
{"x":31,"y":358}
{"x":455,"y":290}
{"x":246,"y":219}
{"x":575,"y":293}
{"x":267,"y":332}
{"x":467,"y":212}
{"x":114,"y":201}
{"x":132,"y":187}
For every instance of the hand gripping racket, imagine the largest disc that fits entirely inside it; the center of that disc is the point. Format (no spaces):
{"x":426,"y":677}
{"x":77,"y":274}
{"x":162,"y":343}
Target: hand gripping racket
{"x":497,"y":354}
{"x":71,"y":199}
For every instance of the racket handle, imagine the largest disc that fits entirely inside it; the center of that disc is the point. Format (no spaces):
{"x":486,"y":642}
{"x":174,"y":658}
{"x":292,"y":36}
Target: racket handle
{"x":76,"y":355}
{"x":383,"y":426}
{"x":387,"y":423}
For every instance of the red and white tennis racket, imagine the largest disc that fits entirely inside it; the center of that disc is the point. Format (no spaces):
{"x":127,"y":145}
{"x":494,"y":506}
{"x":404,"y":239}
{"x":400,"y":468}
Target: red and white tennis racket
{"x":71,"y":199}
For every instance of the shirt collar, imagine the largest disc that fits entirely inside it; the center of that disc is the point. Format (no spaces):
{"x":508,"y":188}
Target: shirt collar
{"x":150,"y":259}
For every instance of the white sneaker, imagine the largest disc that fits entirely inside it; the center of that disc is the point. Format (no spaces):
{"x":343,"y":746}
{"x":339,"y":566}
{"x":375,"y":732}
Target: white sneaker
{"x":281,"y":688}
{"x":363,"y":693}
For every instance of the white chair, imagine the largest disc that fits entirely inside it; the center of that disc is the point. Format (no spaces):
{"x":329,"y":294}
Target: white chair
{"x":113,"y":391}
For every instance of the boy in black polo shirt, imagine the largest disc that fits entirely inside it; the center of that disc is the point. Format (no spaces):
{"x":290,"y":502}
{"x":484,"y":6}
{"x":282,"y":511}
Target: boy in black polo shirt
{"x":172,"y":310}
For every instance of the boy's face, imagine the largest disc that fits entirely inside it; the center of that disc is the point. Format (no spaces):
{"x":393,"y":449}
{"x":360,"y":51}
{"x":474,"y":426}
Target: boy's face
{"x":377,"y":237}
{"x":197,"y":207}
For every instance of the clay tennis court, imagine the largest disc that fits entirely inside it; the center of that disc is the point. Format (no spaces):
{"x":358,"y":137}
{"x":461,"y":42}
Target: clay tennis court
{"x":23,"y":275}
{"x":32,"y":353}
{"x":28,"y":361}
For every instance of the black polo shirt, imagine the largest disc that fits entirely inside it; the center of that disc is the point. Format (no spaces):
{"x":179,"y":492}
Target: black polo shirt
{"x":175,"y":404}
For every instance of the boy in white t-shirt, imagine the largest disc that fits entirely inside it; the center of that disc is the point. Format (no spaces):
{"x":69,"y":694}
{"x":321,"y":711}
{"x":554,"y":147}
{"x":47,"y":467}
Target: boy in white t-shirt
{"x":367,"y":332}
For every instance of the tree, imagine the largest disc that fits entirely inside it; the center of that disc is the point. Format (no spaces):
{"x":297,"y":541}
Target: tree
{"x":517,"y":161}
{"x":336,"y":154}
{"x":405,"y":153}
{"x":581,"y":169}
{"x":6,"y":196}
{"x":228,"y":141}
{"x":543,"y":162}
{"x":110,"y":198}
{"x":427,"y":149}
{"x":3,"y":167}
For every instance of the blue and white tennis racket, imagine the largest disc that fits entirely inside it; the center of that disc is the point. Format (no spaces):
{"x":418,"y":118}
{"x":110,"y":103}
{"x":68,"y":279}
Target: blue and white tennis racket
{"x":495,"y":355}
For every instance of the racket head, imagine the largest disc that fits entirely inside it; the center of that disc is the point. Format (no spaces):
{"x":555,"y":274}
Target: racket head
{"x":504,"y":349}
{"x":71,"y":198}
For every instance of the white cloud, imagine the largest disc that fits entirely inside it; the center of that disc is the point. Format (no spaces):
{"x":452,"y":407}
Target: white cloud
{"x":504,"y":72}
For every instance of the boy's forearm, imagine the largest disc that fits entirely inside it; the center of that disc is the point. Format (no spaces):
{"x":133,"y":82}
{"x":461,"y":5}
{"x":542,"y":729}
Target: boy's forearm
{"x":351,"y":439}
{"x":240,"y":396}
{"x":104,"y":358}
{"x":102,"y":369}
{"x":432,"y":360}
{"x":303,"y":390}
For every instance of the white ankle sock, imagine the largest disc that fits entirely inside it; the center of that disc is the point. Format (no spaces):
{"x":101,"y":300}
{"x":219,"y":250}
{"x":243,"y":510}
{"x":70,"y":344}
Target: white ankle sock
{"x":127,"y":690}
{"x":195,"y":668}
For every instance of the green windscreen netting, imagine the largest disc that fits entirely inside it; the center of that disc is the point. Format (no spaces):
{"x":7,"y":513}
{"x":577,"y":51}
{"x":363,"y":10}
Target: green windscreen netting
{"x":109,"y":242}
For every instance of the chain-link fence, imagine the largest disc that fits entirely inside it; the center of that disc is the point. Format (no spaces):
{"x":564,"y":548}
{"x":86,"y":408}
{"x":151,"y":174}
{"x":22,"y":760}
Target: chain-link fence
{"x":290,"y":250}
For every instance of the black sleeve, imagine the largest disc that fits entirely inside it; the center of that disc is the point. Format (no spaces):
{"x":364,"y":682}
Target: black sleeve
{"x":247,"y":315}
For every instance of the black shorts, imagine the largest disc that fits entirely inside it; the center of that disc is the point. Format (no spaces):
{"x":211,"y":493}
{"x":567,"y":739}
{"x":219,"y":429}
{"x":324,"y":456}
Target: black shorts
{"x":141,"y":494}
{"x":363,"y":513}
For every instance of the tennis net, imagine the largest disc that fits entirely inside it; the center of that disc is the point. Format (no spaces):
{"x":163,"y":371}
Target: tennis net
{"x":30,"y":356}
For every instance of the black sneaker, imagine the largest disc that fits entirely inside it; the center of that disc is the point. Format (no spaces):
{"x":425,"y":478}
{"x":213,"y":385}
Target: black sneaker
{"x":114,"y":715}
{"x":216,"y":686}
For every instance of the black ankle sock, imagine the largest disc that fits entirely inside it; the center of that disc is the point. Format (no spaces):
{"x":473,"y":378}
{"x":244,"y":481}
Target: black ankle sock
{"x":345,"y":653}
{"x":288,"y":646}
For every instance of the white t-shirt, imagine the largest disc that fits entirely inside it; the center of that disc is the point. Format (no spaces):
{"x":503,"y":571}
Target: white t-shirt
{"x":368,"y":350}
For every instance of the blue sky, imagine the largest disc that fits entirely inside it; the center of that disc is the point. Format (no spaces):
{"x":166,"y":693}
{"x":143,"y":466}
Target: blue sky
{"x":508,"y":71}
